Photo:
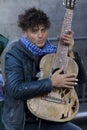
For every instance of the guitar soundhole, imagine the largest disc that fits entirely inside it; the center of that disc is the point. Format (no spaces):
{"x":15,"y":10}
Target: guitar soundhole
{"x":74,"y":106}
{"x":69,"y":100}
{"x":62,"y":95}
{"x":59,"y":91}
{"x":67,"y":91}
{"x":63,"y":117}
{"x":63,"y":92}
{"x":54,"y":70}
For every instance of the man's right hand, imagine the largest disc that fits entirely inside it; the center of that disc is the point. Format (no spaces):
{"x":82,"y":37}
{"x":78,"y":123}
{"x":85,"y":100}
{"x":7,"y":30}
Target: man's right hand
{"x":63,"y":80}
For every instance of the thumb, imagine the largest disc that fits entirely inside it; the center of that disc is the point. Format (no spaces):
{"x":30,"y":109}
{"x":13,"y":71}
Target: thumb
{"x":61,"y":70}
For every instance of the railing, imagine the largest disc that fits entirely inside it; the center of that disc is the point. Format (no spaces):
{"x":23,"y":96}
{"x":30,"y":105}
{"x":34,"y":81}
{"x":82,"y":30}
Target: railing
{"x":76,"y":38}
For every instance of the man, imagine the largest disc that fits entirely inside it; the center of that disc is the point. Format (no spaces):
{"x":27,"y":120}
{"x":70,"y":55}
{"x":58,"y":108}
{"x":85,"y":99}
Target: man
{"x":21,"y":67}
{"x":3,"y":43}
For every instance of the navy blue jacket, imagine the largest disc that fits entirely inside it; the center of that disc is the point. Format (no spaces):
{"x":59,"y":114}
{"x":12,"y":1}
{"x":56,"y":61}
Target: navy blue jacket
{"x":20,"y":84}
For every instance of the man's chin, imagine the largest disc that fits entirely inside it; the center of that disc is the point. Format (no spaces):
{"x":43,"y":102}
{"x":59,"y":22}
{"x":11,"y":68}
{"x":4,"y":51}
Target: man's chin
{"x":40,"y":45}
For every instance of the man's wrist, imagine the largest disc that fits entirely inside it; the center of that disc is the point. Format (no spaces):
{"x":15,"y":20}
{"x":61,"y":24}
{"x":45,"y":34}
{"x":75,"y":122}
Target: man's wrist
{"x":71,"y":54}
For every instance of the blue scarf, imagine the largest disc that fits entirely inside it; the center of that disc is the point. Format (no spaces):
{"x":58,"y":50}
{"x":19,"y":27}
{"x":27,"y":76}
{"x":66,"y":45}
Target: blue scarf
{"x":47,"y":49}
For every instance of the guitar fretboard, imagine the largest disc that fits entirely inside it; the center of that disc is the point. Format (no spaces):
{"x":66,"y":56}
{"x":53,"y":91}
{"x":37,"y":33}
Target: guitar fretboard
{"x":62,"y":49}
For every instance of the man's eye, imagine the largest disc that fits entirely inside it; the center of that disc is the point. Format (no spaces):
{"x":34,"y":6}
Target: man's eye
{"x":34,"y":30}
{"x":44,"y":30}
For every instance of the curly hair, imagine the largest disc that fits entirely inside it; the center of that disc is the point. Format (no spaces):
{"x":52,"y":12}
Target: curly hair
{"x":33,"y":17}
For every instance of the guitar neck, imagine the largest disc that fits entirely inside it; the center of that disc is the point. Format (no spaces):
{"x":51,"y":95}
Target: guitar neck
{"x":62,"y":49}
{"x":67,"y":21}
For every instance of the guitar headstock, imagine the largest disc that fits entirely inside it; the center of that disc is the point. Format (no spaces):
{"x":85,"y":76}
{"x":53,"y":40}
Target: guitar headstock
{"x":69,"y":3}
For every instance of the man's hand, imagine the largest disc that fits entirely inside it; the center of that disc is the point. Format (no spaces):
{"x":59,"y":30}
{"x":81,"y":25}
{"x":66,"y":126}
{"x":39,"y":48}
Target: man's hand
{"x":63,"y":80}
{"x":68,"y":39}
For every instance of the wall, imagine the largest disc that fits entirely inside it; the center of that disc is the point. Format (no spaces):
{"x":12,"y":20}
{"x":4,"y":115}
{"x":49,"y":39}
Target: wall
{"x":9,"y":10}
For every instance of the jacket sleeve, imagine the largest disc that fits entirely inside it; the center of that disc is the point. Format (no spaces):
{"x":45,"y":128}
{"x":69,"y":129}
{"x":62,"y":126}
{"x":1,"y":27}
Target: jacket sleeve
{"x":82,"y":72}
{"x":15,"y":85}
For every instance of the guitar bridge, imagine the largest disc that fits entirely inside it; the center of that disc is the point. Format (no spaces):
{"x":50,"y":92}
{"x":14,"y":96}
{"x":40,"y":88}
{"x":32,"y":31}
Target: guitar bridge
{"x":52,"y":99}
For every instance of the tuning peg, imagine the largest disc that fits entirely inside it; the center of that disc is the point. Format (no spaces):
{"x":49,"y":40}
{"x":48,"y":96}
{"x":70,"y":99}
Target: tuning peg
{"x":64,"y":2}
{"x":74,"y":1}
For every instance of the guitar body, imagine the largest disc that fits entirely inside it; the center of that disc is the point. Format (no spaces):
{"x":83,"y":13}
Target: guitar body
{"x":61,"y":104}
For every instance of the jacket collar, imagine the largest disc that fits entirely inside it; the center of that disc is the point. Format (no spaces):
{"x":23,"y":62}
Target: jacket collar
{"x":22,"y":48}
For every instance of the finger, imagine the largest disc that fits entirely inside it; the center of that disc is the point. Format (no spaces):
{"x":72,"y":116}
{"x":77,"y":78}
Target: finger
{"x":72,"y":80}
{"x":70,"y":32}
{"x":61,"y":69}
{"x":71,"y":83}
{"x":72,"y":75}
{"x":68,"y":42}
{"x":68,"y":36}
{"x":68,"y":86}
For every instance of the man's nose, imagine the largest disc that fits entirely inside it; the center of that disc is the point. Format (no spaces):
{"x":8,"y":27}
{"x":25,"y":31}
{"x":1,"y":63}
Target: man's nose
{"x":40,"y":34}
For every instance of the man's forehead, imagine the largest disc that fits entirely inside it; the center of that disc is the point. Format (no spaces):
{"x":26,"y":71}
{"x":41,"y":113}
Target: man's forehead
{"x":38,"y":27}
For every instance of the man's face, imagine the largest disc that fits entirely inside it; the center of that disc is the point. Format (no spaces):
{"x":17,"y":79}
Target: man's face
{"x":37,"y":35}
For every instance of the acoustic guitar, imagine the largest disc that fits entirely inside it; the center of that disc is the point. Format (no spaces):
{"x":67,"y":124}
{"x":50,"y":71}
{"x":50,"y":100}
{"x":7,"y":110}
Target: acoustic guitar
{"x":61,"y":104}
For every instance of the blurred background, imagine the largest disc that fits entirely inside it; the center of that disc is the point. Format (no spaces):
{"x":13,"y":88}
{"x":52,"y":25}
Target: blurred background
{"x":9,"y":11}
